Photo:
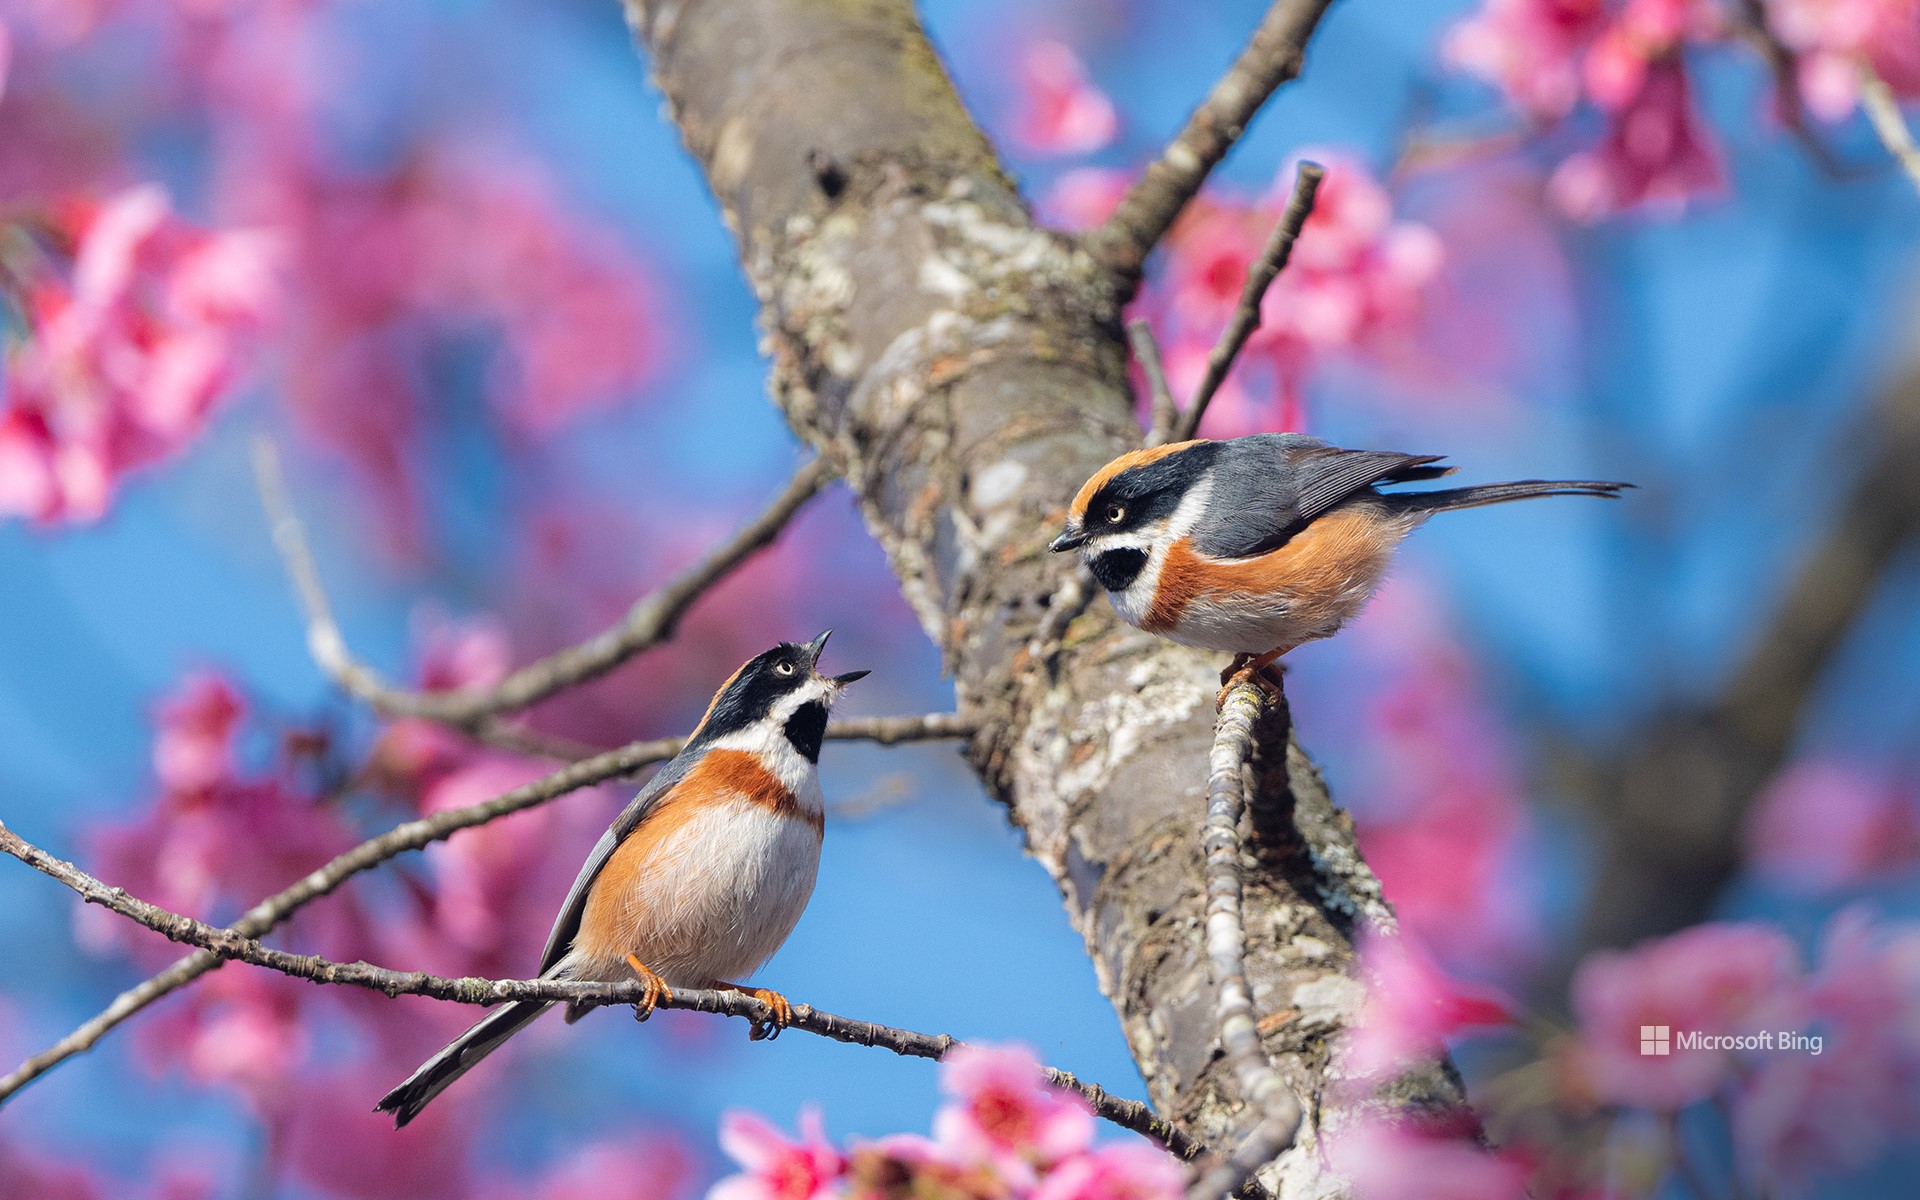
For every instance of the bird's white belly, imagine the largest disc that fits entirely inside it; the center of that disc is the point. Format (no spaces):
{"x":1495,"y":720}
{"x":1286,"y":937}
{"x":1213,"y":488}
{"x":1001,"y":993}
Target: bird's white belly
{"x":717,"y":897}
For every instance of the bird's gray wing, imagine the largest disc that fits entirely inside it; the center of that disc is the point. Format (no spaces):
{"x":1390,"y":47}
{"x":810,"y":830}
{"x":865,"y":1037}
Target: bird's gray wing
{"x":567,"y":924}
{"x":1268,"y":487}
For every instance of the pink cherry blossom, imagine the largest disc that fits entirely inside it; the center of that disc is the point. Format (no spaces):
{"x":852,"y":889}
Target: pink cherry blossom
{"x":1824,"y":824}
{"x":195,"y":729}
{"x":652,"y":1168}
{"x":127,"y":355}
{"x":1530,"y":49}
{"x":241,"y":1026}
{"x":27,"y":1173}
{"x":1356,"y":287}
{"x":1004,"y":1111}
{"x":1083,"y":197}
{"x":1716,"y":979}
{"x":1128,"y":1171}
{"x":1835,"y":37}
{"x":1656,"y":151}
{"x":1061,"y":111}
{"x":1385,"y":1161}
{"x":778,"y":1167}
{"x":1413,"y":1007}
{"x":1802,"y":1112}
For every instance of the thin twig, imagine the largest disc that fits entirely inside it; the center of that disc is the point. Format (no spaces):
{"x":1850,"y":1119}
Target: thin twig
{"x":1246,"y":315}
{"x":1276,"y":1108}
{"x":1750,"y":22}
{"x":229,"y":945}
{"x":1147,"y":351}
{"x":1273,"y":56}
{"x":650,"y":621}
{"x":1883,"y":109}
{"x":413,"y":835}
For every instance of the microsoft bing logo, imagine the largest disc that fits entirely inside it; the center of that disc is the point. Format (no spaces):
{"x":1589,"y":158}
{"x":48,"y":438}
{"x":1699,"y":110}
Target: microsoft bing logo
{"x":1653,"y":1040}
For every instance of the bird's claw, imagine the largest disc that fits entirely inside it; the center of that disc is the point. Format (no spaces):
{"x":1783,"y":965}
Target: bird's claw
{"x":779,"y":1007}
{"x":1251,"y":668}
{"x":656,"y":989}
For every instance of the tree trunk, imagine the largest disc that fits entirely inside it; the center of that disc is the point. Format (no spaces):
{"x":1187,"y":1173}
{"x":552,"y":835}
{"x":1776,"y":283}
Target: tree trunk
{"x":967,"y":369}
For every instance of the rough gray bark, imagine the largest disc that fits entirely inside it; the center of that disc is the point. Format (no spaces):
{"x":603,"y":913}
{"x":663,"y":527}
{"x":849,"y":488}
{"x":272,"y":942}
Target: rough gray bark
{"x":966,"y":371}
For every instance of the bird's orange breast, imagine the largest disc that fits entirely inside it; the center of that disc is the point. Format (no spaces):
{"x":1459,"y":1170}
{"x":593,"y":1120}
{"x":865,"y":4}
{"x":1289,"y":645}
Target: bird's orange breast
{"x":1319,"y":566}
{"x":720,"y":777}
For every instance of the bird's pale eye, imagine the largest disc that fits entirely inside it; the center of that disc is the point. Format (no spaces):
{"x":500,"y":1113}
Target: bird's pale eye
{"x":785,"y":668}
{"x":1116,"y":513}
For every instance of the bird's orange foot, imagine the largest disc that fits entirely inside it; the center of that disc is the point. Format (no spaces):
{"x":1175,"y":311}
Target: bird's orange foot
{"x":782,"y":1010}
{"x":1250,"y":668}
{"x":657,"y":989}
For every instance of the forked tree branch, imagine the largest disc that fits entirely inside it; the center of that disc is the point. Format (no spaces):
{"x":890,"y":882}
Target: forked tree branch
{"x":968,"y":369}
{"x":228,"y":945}
{"x":415,"y":835}
{"x":651,"y":620}
{"x":1274,"y":56}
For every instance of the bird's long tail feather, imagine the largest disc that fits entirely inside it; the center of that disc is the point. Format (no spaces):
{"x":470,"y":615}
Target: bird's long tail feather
{"x":459,"y":1057}
{"x":1499,"y":493}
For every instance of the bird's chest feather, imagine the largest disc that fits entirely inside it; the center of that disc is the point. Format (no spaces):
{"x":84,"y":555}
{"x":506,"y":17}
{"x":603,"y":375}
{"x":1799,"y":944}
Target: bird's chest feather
{"x":712,"y":881}
{"x":1306,"y":588}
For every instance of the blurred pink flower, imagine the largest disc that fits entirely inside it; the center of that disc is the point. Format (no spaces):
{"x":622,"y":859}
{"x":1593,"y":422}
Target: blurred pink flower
{"x":653,"y":1168}
{"x":452,"y":655}
{"x":1837,"y":1109}
{"x":778,"y":1168}
{"x":1530,"y":49}
{"x":1083,"y":197}
{"x":1643,"y":33}
{"x":194,"y":734}
{"x":1005,"y":1113}
{"x":335,"y":1143}
{"x":1385,"y":1161}
{"x":6,"y":57}
{"x":1656,"y":151}
{"x":1356,"y":286}
{"x":486,"y":881}
{"x":29,"y":1175}
{"x":1823,"y":825}
{"x":218,"y":835}
{"x":1716,"y":979}
{"x":1834,"y":38}
{"x":1413,"y":1007}
{"x":242,"y":1026}
{"x":1061,"y":111}
{"x":1128,"y":1171}
{"x":128,"y":355}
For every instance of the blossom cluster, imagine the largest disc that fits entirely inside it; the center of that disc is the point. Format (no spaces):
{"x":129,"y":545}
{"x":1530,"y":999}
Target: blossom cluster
{"x":1627,"y":61}
{"x":1003,"y":1134}
{"x":134,"y":333}
{"x":1356,"y":288}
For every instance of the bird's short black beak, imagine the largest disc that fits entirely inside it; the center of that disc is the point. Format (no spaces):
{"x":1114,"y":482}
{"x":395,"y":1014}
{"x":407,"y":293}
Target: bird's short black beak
{"x":1072,"y":539}
{"x":815,"y":646}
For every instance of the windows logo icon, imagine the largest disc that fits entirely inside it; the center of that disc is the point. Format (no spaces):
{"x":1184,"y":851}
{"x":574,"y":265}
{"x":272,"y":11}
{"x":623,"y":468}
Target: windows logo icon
{"x":1654,"y":1040}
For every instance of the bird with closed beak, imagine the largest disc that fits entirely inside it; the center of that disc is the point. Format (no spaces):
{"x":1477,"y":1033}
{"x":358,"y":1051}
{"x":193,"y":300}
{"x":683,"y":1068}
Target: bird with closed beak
{"x":1255,"y":545}
{"x":701,"y":877}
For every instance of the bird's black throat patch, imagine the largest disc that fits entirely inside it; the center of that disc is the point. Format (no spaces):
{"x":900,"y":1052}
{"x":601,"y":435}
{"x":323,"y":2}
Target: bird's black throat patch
{"x":1117,"y":569}
{"x":806,"y":728}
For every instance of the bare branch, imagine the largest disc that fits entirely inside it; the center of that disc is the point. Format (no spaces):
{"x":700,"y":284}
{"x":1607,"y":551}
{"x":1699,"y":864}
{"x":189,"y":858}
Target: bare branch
{"x":1246,"y":315}
{"x":1146,"y":350}
{"x":1273,"y":57}
{"x":651,"y":620}
{"x":229,"y":945}
{"x":264,"y":916}
{"x":591,"y":768}
{"x":1883,"y":109}
{"x":1276,"y":1110}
